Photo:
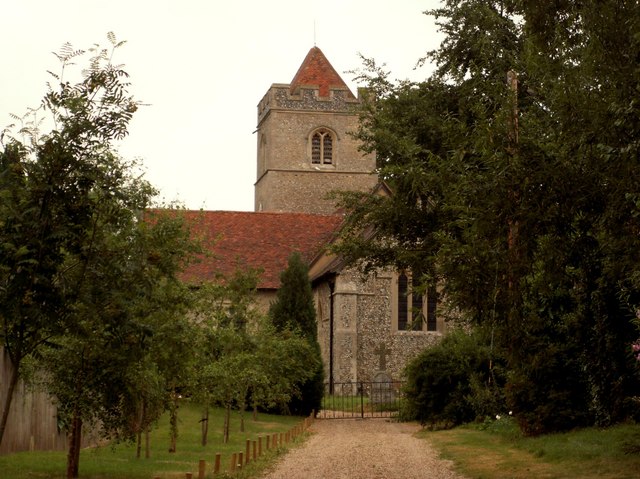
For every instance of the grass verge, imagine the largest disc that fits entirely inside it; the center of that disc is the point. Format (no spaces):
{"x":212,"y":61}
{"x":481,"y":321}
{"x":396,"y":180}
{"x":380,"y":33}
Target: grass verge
{"x":498,"y":450}
{"x":118,"y":461}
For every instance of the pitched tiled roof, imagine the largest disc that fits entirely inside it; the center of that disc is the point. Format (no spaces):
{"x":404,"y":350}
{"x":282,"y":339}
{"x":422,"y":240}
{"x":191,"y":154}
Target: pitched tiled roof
{"x":257,"y":240}
{"x":317,"y":71}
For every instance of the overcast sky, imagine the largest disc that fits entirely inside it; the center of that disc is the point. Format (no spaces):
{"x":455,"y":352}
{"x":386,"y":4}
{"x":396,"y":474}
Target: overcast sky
{"x":203,"y":66}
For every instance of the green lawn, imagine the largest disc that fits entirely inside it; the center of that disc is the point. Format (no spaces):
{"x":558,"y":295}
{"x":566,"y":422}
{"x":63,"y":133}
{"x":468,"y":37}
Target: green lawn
{"x":500,"y":451}
{"x":119,"y":461}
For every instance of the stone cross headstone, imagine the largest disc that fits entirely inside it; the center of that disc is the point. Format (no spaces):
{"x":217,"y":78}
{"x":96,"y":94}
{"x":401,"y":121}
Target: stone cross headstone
{"x":382,"y":388}
{"x":382,"y":351}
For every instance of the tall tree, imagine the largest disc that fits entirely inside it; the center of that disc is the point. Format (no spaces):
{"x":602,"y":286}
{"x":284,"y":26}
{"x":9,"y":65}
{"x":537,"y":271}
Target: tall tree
{"x":48,"y":200}
{"x":524,"y":202}
{"x":87,"y":279}
{"x":293,"y":310}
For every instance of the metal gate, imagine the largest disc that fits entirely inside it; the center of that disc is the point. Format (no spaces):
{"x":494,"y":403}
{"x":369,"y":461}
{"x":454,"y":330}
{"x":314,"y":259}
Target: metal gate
{"x":361,"y":399}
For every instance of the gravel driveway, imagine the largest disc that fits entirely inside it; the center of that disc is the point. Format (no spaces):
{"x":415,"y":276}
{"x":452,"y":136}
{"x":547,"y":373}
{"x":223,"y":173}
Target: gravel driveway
{"x":362,"y":449}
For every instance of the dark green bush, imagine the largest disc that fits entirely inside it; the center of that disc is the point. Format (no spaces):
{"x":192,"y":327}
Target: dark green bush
{"x":453,"y":382}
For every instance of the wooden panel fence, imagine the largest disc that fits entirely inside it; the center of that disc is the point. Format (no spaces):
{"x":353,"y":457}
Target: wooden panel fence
{"x":32,"y":423}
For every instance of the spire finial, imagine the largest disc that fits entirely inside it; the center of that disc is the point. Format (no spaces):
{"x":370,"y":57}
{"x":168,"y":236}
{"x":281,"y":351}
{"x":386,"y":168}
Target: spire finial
{"x":314,"y":32}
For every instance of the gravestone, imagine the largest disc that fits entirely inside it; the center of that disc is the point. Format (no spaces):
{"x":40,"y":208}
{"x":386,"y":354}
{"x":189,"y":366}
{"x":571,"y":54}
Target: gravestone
{"x":382,"y":390}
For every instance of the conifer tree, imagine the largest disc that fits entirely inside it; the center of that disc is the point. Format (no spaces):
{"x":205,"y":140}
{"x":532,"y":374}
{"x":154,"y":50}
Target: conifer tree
{"x":294,"y":311}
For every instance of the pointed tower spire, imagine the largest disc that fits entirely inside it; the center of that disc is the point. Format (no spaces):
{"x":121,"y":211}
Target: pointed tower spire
{"x":317,"y":71}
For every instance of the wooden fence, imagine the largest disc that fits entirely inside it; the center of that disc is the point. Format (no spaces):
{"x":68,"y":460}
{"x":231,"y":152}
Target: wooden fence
{"x":32,"y":423}
{"x":252,"y":452}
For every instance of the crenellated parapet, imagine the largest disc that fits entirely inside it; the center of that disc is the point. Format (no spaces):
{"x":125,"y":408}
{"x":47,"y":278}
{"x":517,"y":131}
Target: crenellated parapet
{"x":279,"y":97}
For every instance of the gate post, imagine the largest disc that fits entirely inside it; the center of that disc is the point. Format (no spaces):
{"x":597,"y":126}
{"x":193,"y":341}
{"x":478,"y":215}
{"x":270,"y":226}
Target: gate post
{"x":361,"y":400}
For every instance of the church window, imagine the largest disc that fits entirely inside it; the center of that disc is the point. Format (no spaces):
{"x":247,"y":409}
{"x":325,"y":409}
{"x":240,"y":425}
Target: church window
{"x":322,"y":147}
{"x":413,"y":310}
{"x":403,"y":303}
{"x":432,"y":303}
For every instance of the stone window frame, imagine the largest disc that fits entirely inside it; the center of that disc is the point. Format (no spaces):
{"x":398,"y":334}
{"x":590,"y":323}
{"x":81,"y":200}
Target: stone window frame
{"x":262,"y":154}
{"x":429,"y":322}
{"x":320,"y":140}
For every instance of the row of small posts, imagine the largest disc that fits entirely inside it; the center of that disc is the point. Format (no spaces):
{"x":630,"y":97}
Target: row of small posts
{"x":253,"y":450}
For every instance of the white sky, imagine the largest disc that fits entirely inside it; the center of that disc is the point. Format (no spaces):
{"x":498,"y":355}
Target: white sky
{"x":203,"y":66}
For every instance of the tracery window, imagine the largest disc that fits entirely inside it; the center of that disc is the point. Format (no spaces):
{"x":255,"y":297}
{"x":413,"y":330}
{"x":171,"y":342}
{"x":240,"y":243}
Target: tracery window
{"x":322,"y":147}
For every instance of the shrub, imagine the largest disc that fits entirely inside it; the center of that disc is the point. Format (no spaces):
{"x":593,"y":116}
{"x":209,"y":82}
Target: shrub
{"x":453,"y":382}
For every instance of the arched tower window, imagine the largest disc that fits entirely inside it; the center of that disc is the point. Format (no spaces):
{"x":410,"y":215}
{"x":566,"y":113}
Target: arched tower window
{"x":322,"y":141}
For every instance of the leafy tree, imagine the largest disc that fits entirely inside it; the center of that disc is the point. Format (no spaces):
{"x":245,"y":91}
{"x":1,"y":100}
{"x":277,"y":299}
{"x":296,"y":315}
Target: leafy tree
{"x":244,"y":361}
{"x":48,"y":200}
{"x":521,"y":201}
{"x":293,"y":310}
{"x":225,"y":314}
{"x":86,"y":282}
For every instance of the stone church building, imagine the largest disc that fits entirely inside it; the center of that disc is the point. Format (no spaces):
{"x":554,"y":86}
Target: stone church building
{"x":304,"y":152}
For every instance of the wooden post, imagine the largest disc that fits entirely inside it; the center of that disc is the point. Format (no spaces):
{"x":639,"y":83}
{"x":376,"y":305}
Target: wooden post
{"x":216,"y":464}
{"x":259,"y":446}
{"x":281,"y":439}
{"x":255,"y":449}
{"x":240,"y":460}
{"x":268,"y":442}
{"x":188,"y":475}
{"x":201,"y":468}
{"x":234,"y":461}
{"x":247,"y":451}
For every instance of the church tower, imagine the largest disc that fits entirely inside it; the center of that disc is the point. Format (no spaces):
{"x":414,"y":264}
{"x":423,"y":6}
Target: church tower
{"x":305,"y":150}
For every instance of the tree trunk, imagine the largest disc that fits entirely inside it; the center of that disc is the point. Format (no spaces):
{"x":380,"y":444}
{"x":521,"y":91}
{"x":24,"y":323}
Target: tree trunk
{"x":227,"y":418}
{"x":139,"y":444}
{"x":205,"y":425}
{"x":140,"y":427}
{"x":243,"y":408}
{"x":147,"y":443}
{"x":255,"y":413}
{"x":75,"y":438}
{"x":173,"y":422}
{"x":13,"y":381}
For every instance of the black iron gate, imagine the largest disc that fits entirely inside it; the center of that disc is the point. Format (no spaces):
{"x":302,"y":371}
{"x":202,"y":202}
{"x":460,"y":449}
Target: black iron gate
{"x":361,"y":399}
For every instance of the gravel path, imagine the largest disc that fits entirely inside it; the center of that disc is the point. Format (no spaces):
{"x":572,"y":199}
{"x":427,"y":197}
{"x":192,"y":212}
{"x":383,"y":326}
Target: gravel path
{"x":362,"y":449}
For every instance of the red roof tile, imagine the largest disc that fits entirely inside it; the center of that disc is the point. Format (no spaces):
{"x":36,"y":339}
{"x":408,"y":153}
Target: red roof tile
{"x":317,"y":71}
{"x":257,"y":240}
